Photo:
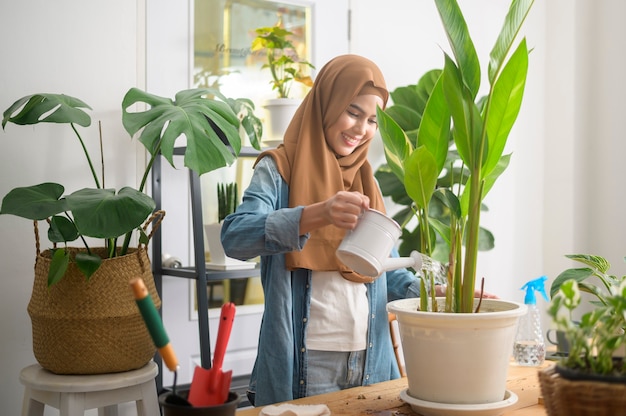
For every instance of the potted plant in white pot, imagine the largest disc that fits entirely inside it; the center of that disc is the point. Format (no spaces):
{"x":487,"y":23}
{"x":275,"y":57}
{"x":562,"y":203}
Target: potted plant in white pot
{"x":83,"y":314}
{"x":469,"y":370}
{"x":591,"y":379}
{"x":285,"y":67}
{"x":227,"y":201}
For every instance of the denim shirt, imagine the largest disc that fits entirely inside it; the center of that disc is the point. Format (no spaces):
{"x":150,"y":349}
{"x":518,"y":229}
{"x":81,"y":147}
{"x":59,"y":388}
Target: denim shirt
{"x":265,"y":225}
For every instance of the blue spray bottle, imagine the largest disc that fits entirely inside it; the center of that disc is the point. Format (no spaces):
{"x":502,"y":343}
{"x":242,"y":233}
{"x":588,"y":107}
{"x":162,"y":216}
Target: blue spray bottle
{"x":529,"y":348}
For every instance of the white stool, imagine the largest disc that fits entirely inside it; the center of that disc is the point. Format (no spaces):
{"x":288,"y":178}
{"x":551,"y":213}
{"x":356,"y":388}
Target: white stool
{"x":73,"y":394}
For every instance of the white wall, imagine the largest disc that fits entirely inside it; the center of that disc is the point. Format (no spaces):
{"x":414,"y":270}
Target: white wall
{"x":562,"y":193}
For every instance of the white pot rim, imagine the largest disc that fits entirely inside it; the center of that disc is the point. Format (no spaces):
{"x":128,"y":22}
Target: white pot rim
{"x":490,"y":309}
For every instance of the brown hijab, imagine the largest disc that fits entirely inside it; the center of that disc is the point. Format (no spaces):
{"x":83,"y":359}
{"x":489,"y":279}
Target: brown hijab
{"x":310,"y":167}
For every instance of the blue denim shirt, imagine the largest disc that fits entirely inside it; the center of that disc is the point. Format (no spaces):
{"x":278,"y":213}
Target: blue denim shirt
{"x":265,"y":225}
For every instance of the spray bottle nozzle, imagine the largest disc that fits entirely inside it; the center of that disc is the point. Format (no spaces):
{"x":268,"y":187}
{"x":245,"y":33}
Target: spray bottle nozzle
{"x":532,"y":286}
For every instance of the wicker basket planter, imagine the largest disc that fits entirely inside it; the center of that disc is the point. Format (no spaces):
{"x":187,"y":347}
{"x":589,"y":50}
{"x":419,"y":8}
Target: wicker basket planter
{"x":563,"y":397}
{"x":91,"y":327}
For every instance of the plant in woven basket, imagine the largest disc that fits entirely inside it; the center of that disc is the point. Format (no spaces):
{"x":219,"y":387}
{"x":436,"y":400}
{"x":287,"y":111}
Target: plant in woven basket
{"x":227,"y":198}
{"x":212,"y":124}
{"x":596,"y":340}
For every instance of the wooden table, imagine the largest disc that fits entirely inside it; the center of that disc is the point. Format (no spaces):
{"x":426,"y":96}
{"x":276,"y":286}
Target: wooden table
{"x":382,"y":399}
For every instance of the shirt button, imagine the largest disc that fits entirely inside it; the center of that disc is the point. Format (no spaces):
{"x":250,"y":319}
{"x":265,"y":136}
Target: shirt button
{"x":304,"y":320}
{"x":373,"y":315}
{"x":301,"y":382}
{"x":303,"y":349}
{"x":371,"y":345}
{"x":367,"y":377}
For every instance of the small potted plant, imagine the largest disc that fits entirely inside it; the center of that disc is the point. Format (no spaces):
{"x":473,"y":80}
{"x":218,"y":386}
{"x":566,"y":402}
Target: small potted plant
{"x":285,"y":66}
{"x":591,"y":379}
{"x":227,"y":201}
{"x":79,"y":290}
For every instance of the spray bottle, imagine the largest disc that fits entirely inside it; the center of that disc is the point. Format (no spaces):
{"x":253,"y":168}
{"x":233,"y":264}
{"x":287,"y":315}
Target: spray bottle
{"x":529,"y":348}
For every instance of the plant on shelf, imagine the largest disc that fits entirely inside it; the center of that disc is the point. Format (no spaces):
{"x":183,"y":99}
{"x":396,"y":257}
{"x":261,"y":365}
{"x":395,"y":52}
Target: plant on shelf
{"x":212,"y":129}
{"x":227,"y":198}
{"x":282,"y":59}
{"x":477,"y":127}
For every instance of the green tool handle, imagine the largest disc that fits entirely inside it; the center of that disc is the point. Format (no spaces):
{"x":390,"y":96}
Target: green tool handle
{"x":154,"y":323}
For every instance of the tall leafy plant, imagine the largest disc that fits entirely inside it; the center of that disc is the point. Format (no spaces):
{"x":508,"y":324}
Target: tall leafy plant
{"x":479,"y":127}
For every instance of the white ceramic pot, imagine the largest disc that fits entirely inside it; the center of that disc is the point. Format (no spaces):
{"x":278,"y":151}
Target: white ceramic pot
{"x":457,"y":358}
{"x":218,"y":257}
{"x":279,"y":112}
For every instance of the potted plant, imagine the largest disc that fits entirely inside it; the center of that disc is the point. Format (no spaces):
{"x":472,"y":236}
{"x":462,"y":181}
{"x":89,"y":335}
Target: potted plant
{"x":81,"y":305}
{"x":471,"y":369}
{"x":227,"y":201}
{"x":591,"y":379}
{"x":285,"y":67}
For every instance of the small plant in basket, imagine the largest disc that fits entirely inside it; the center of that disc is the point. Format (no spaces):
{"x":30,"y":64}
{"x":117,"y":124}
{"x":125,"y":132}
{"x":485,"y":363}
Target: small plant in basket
{"x":596,"y":340}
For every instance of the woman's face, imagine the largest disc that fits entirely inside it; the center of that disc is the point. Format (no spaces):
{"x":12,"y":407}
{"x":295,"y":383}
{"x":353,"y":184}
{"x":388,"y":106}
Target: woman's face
{"x":355,"y":126}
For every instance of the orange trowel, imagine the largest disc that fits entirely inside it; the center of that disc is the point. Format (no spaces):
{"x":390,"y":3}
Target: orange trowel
{"x":210,"y":387}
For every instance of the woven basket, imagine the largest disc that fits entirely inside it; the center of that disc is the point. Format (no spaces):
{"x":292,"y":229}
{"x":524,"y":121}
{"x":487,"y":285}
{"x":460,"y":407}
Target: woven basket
{"x":91,"y":327}
{"x":563,"y":397}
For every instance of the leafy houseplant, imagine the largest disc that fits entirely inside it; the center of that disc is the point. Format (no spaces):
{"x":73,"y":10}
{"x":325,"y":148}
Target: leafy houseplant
{"x":479,"y":127}
{"x":95,"y":327}
{"x":282,"y":59}
{"x":407,"y":110}
{"x":590,"y":379}
{"x":212,"y":129}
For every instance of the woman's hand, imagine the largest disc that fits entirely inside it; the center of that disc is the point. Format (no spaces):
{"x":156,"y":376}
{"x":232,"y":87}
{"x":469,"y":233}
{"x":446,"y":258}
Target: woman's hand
{"x":341,"y":210}
{"x":344,"y":208}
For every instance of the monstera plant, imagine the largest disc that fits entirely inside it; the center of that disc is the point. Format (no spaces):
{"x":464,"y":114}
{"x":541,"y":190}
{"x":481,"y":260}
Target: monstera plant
{"x":212,"y":124}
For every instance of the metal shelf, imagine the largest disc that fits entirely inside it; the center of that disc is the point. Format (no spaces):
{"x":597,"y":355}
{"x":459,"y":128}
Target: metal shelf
{"x":199,"y":272}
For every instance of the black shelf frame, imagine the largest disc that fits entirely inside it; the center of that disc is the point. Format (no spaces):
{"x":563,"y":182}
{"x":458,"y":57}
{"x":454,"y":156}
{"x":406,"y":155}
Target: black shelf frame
{"x":199,"y":272}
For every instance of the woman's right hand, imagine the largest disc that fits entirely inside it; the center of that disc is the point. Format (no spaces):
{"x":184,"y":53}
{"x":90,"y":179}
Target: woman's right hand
{"x":344,"y":208}
{"x":341,"y":210}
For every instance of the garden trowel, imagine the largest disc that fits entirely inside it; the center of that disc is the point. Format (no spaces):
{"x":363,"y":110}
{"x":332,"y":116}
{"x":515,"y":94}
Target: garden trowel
{"x":211,"y":387}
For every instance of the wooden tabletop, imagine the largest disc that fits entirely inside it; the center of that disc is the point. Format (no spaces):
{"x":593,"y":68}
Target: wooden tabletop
{"x":382,"y":399}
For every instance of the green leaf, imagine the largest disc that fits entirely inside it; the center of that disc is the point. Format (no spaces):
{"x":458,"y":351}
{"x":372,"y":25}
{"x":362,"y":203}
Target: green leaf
{"x":87,"y":263}
{"x":434,"y":130}
{"x":579,"y":275}
{"x":512,"y":24}
{"x":210,"y":127}
{"x":597,"y":262}
{"x":58,"y":266}
{"x":62,"y":230}
{"x":47,"y":108}
{"x":420,"y":176}
{"x":505,"y":103}
{"x":35,"y":202}
{"x":396,"y":143}
{"x":101,"y":213}
{"x":461,"y":43}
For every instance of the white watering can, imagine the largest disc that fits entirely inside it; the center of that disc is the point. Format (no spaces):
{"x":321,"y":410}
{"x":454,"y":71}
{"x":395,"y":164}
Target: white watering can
{"x":366,"y":248}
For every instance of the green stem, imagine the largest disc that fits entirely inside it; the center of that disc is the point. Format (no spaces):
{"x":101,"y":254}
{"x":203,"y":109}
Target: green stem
{"x":93,"y":171}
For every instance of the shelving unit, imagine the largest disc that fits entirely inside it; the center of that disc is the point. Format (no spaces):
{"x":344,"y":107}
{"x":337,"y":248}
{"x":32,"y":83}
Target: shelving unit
{"x":199,"y":272}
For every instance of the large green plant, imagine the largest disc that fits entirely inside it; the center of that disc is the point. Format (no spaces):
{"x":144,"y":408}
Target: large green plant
{"x":479,"y":126}
{"x":212,"y":128}
{"x":408,"y":107}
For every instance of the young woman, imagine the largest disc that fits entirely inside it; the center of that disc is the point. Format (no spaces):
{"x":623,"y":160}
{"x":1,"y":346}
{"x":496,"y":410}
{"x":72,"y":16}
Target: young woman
{"x":324,"y":326}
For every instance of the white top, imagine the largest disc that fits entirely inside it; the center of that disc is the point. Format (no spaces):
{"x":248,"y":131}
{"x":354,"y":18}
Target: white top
{"x":338,"y":316}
